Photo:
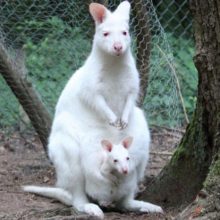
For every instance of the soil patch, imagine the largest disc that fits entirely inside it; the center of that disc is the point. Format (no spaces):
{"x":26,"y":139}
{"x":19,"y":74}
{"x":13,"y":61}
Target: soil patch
{"x":23,"y":161}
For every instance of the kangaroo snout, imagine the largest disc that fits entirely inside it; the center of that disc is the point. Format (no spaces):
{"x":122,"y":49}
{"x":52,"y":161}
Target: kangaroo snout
{"x":125,"y":170}
{"x":117,"y":47}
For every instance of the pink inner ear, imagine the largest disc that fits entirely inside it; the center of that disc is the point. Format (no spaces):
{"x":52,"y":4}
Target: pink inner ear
{"x":107,"y":145}
{"x":97,"y":11}
{"x":109,"y":148}
{"x":127,"y":142}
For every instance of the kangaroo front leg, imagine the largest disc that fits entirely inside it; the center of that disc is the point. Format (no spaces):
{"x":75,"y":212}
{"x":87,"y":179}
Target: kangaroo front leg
{"x":141,"y":206}
{"x":105,"y":111}
{"x":127,"y":110}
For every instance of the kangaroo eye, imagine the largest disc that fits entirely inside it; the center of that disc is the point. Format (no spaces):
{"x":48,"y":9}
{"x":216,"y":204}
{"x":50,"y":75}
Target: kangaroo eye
{"x":124,"y":33}
{"x":127,"y":158}
{"x":115,"y":161}
{"x":105,"y":34}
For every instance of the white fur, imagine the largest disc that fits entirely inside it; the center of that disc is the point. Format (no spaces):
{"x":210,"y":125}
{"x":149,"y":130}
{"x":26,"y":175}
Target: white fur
{"x":107,"y":182}
{"x":98,"y":99}
{"x":104,"y":90}
{"x":51,"y":192}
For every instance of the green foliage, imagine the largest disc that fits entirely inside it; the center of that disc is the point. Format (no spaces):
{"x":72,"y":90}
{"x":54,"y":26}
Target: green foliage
{"x":162,"y":103}
{"x":183,"y":51}
{"x":55,"y":50}
{"x":8,"y":103}
{"x":174,"y":16}
{"x":15,"y":15}
{"x":50,"y":61}
{"x":53,"y":60}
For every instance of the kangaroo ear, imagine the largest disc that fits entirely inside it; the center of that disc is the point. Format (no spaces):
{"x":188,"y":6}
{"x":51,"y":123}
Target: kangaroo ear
{"x":107,"y":145}
{"x":98,"y":12}
{"x":123,"y":10}
{"x":127,"y":142}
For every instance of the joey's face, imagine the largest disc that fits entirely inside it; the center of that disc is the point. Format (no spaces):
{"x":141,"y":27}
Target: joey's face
{"x":120,"y":159}
{"x":113,"y":37}
{"x":118,"y":155}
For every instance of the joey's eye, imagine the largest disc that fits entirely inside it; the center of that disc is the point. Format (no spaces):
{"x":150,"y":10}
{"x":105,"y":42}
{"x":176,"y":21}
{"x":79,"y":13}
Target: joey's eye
{"x":127,"y":158}
{"x":124,"y":33}
{"x":105,"y":34}
{"x":115,"y":161}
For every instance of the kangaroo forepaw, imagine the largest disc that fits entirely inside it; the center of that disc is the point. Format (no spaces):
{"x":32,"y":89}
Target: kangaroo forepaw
{"x":119,"y":124}
{"x":124,"y":124}
{"x":116,"y":124}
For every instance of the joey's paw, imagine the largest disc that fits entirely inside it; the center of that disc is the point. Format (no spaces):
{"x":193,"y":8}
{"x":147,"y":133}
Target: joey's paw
{"x":148,"y":207}
{"x":114,"y":180}
{"x":105,"y":203}
{"x":94,"y":210}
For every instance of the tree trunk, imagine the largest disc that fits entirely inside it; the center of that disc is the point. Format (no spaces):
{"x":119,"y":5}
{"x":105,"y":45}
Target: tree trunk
{"x":143,"y":37}
{"x":13,"y":71}
{"x":183,"y":177}
{"x":207,"y":204}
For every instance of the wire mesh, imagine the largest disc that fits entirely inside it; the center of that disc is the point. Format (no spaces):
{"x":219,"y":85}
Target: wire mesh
{"x":56,"y":37}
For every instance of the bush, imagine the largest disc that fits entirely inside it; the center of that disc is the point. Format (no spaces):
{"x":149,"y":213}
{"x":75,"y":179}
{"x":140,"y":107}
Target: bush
{"x":50,"y":60}
{"x":183,"y":51}
{"x":53,"y":57}
{"x":53,"y":60}
{"x":162,"y":103}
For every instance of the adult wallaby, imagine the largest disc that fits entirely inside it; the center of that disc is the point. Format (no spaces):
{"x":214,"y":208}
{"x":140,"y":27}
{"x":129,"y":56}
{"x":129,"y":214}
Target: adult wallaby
{"x":104,"y":90}
{"x":90,"y":171}
{"x":100,"y":96}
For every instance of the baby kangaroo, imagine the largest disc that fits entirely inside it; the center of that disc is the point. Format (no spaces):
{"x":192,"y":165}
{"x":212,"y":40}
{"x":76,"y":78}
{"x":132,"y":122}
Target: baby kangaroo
{"x":107,"y":171}
{"x":111,"y":177}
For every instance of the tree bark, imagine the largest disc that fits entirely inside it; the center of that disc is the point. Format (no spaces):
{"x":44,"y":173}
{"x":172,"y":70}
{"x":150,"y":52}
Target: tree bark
{"x":143,"y":38}
{"x":207,"y":203}
{"x":183,"y":177}
{"x":13,"y":71}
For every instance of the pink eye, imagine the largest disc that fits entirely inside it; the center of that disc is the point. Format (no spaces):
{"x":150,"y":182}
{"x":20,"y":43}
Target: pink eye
{"x":115,"y":161}
{"x":124,"y":33}
{"x":105,"y":34}
{"x":127,"y":158}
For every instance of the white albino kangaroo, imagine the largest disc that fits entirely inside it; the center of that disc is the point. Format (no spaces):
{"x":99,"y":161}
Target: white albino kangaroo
{"x":104,"y":90}
{"x":100,"y":96}
{"x":100,"y":182}
{"x":107,"y":170}
{"x":138,"y":154}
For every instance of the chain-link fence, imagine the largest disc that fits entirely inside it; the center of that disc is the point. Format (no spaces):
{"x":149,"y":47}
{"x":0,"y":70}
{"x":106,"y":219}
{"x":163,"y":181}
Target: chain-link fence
{"x":176,"y":19}
{"x":54,"y":38}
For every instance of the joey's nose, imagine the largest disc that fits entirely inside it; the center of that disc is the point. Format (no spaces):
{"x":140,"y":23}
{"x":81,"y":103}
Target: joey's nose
{"x":125,"y":171}
{"x":117,"y":47}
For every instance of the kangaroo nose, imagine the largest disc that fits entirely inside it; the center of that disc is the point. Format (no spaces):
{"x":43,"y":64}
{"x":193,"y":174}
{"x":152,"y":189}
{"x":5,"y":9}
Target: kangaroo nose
{"x":125,"y":171}
{"x":117,"y":47}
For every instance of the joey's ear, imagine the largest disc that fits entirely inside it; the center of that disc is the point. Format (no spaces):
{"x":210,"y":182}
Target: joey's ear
{"x":127,"y":142}
{"x":107,"y":145}
{"x":123,"y":10}
{"x":99,"y":12}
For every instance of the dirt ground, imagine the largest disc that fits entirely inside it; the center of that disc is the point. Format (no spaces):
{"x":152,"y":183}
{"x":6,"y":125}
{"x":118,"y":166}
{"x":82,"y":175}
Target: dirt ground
{"x":23,"y":161}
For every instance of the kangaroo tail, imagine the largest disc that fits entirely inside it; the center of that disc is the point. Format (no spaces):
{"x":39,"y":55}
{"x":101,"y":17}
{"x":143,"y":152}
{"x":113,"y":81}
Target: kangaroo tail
{"x":51,"y":192}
